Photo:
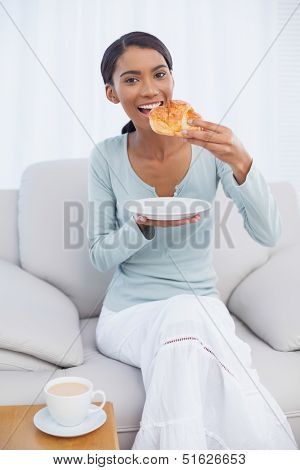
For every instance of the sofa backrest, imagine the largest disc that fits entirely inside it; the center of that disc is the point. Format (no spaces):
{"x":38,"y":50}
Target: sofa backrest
{"x":52,"y":223}
{"x":9,"y":243}
{"x":286,"y":198}
{"x":52,"y":219}
{"x":236,"y":254}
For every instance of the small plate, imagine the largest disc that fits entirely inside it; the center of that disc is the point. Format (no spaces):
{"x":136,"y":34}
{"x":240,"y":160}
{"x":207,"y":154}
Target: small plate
{"x":44,"y":422}
{"x":167,"y":208}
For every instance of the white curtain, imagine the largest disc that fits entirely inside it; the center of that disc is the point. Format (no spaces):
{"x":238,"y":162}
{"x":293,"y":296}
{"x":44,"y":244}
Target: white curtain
{"x":52,"y":96}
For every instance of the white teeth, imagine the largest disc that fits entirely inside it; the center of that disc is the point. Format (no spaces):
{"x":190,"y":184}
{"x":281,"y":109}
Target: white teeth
{"x":150,"y":106}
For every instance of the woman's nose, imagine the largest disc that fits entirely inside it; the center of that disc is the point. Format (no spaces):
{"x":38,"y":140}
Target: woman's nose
{"x":149,"y":88}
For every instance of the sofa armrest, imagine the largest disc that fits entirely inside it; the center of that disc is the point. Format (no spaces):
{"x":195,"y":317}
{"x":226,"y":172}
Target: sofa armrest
{"x":9,"y":244}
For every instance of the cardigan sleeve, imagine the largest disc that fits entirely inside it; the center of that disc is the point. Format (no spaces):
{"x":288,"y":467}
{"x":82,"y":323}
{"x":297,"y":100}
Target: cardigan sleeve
{"x":108,"y":245}
{"x":254,"y":201}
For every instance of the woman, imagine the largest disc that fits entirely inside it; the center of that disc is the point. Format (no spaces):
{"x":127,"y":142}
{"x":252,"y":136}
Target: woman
{"x":162,"y":311}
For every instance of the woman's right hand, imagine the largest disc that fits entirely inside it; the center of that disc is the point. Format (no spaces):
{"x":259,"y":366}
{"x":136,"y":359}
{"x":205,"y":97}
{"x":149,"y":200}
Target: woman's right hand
{"x":145,"y":221}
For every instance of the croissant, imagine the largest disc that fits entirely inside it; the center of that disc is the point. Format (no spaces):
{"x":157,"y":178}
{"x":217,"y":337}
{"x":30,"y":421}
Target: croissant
{"x":172,"y":118}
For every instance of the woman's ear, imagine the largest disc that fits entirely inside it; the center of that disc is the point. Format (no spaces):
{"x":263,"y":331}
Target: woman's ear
{"x":111,"y":94}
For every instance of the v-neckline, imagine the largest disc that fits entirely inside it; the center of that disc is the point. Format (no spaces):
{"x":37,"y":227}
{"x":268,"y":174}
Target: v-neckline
{"x":178,"y":187}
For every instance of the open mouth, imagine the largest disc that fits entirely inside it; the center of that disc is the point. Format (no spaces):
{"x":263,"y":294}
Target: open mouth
{"x":146,"y":112}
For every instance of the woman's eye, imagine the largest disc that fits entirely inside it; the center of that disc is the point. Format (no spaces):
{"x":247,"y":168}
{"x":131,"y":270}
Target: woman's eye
{"x":128,"y":80}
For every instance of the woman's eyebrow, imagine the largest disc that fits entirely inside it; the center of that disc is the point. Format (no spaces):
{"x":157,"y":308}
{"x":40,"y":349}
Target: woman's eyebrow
{"x":138,"y":72}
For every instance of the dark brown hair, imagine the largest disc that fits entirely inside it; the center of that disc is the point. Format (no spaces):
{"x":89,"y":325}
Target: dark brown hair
{"x":117,"y":48}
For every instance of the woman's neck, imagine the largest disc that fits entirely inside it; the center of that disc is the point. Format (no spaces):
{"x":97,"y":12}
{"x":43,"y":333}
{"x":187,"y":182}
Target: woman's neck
{"x":154,"y":146}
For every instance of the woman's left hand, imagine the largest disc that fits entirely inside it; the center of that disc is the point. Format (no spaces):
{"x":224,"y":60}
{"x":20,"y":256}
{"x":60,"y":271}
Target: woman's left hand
{"x":222,"y":142}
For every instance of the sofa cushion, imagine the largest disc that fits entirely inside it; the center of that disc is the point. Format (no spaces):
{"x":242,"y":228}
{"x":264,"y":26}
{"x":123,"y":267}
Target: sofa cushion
{"x":235,"y":253}
{"x":268,"y":300}
{"x":282,"y":380}
{"x":52,"y":220}
{"x":17,"y":361}
{"x":37,"y":319}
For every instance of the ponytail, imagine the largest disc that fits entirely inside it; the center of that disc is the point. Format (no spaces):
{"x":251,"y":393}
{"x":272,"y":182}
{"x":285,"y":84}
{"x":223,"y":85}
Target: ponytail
{"x":129,"y":127}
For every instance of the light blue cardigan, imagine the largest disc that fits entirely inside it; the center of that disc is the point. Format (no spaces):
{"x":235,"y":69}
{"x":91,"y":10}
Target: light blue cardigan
{"x":164,"y":261}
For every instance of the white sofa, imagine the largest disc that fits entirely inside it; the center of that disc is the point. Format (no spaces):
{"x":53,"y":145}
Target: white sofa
{"x":34,"y":250}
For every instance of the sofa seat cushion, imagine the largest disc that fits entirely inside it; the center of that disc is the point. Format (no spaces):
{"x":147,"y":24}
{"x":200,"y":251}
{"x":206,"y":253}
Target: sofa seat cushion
{"x":24,"y":387}
{"x":121,"y":382}
{"x":267,"y":300}
{"x":37,"y":319}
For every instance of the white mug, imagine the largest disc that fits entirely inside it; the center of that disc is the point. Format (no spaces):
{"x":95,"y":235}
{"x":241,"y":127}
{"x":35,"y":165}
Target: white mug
{"x":71,"y":410}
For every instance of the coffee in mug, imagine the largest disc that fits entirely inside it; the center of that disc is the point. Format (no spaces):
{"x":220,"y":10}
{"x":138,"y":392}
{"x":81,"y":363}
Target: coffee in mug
{"x":69,"y":399}
{"x":68,"y":389}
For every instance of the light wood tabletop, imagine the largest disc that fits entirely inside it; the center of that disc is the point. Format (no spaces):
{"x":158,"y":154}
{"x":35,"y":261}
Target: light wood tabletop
{"x":17,"y":431}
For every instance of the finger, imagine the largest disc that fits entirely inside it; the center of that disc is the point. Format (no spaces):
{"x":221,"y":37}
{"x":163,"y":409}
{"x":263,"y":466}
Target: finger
{"x":171,"y":223}
{"x":211,"y":126}
{"x":212,"y":147}
{"x":146,"y":221}
{"x":206,"y":136}
{"x":188,"y":220}
{"x":156,"y":223}
{"x":168,"y":223}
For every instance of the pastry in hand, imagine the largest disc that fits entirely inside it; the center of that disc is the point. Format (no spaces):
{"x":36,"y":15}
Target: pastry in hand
{"x":172,"y":118}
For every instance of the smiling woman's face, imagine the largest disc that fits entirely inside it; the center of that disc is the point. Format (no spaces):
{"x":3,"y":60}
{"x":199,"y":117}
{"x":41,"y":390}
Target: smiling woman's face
{"x":147,"y":86}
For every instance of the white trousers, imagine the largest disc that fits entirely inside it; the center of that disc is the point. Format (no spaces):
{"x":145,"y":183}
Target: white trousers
{"x":201,"y":392}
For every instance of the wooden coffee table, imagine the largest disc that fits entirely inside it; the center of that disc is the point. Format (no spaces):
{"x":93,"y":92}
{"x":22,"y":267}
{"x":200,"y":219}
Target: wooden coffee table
{"x":17,"y":431}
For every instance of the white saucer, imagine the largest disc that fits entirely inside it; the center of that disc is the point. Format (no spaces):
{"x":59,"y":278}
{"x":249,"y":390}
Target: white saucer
{"x":43,"y":421}
{"x":167,"y":208}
